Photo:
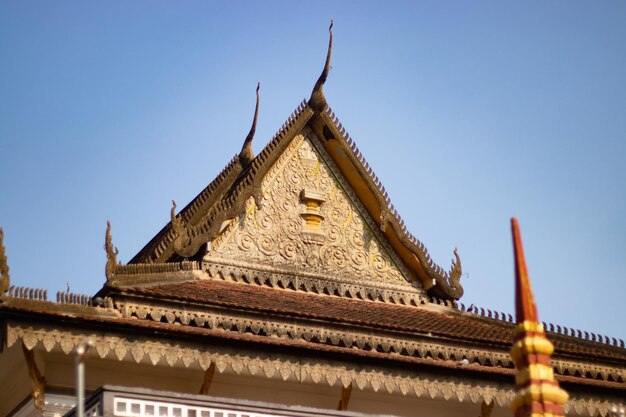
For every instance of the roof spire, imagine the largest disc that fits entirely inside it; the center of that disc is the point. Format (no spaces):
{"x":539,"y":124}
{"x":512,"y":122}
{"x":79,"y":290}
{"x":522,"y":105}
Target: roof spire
{"x":247,"y":155}
{"x":5,"y":281}
{"x":538,"y":393}
{"x":317,"y":101}
{"x":525,"y":308}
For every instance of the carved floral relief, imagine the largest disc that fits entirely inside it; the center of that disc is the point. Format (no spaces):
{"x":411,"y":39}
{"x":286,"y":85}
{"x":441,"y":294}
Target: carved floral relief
{"x":307,"y":220}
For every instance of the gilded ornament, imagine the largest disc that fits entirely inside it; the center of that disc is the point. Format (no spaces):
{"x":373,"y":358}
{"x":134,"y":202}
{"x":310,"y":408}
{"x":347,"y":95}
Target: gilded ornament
{"x":112,"y":252}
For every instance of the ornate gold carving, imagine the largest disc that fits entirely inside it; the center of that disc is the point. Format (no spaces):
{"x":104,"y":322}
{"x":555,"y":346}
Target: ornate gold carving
{"x":284,"y":366}
{"x":38,"y":382}
{"x":385,"y":218}
{"x":312,"y":228}
{"x":5,"y":281}
{"x":112,"y":253}
{"x":272,"y":235}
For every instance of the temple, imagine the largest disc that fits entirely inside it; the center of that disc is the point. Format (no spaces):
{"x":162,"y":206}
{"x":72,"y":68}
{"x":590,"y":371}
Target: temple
{"x":290,"y":286}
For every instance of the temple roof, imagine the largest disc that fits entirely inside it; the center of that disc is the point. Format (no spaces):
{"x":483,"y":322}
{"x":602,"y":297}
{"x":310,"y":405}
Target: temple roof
{"x":192,"y":232}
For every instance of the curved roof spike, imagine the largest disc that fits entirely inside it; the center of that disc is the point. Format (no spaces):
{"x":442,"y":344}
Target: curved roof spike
{"x":317,"y":101}
{"x":111,"y":251}
{"x":247,"y":154}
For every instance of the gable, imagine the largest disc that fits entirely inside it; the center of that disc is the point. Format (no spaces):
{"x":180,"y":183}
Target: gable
{"x":309,"y":222}
{"x":204,"y":220}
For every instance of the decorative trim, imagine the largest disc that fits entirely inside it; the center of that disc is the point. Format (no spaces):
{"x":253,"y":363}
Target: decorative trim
{"x":141,"y":269}
{"x":337,"y":335}
{"x":139,"y":274}
{"x":305,"y":281}
{"x":286,"y":367}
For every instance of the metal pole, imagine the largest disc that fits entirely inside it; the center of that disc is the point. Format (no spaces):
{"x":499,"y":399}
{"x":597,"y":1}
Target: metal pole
{"x":80,"y":352}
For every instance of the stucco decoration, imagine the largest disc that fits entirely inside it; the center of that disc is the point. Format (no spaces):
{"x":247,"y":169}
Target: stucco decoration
{"x":310,"y":221}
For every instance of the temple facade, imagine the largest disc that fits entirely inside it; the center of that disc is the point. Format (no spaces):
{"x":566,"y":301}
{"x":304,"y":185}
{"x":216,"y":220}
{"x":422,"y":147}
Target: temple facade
{"x":289,"y":286}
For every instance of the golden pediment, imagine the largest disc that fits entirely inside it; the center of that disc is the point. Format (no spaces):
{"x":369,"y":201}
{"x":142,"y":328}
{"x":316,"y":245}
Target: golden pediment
{"x":309,"y":220}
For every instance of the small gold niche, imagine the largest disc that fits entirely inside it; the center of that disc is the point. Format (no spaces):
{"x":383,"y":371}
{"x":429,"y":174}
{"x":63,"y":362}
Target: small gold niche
{"x":312,"y":229}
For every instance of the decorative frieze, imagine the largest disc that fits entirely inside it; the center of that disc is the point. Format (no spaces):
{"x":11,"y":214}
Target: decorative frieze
{"x":308,"y":281}
{"x":284,"y":367}
{"x":353,"y":337}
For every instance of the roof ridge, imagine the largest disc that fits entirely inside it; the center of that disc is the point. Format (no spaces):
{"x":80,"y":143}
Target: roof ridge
{"x":555,"y":329}
{"x":62,"y":297}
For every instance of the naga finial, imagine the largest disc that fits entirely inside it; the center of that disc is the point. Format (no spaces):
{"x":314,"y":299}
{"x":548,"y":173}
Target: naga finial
{"x":317,"y":101}
{"x":5,"y":281}
{"x":177,"y":224}
{"x":112,"y":253}
{"x":247,"y":154}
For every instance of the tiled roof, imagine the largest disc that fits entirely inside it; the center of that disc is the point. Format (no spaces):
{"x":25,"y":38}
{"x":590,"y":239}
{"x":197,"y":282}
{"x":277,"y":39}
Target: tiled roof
{"x":453,"y":324}
{"x":431,"y":325}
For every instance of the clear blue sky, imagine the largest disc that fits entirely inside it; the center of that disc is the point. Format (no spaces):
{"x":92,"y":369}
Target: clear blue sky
{"x":469,"y":112}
